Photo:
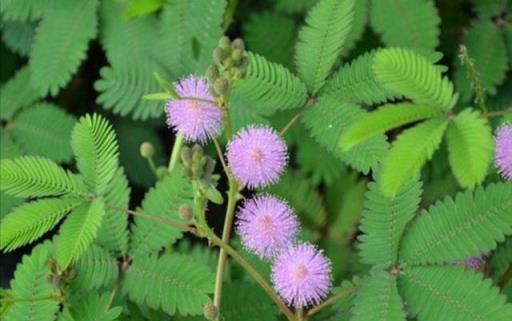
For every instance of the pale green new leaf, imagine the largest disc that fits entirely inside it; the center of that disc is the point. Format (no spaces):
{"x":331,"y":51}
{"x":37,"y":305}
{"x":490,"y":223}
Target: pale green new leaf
{"x":412,"y":24}
{"x":382,"y":120}
{"x":28,"y":222}
{"x":95,"y":269}
{"x":412,"y":149}
{"x":78,"y":232}
{"x":459,"y":228}
{"x":31,"y":282}
{"x":356,"y":82}
{"x":270,"y":86}
{"x":450,"y":293}
{"x":95,"y":146}
{"x":32,"y":176}
{"x":44,"y":130}
{"x":61,"y":43}
{"x":384,"y":221}
{"x":322,"y":40}
{"x":173,"y":283}
{"x":161,"y":202}
{"x":414,"y":76}
{"x":470,"y":146}
{"x":17,"y":93}
{"x":378,"y":299}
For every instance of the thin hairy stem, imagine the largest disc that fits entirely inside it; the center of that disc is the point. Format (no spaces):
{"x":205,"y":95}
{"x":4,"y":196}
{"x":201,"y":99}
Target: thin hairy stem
{"x":473,"y":77}
{"x":290,"y":124}
{"x":503,"y":280}
{"x":340,"y":296}
{"x":152,"y":166}
{"x":54,"y":297}
{"x":221,"y":156}
{"x":497,"y":113}
{"x":176,"y":150}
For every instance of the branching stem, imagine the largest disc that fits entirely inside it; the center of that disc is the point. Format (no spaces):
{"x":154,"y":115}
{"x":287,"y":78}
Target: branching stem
{"x":176,"y":150}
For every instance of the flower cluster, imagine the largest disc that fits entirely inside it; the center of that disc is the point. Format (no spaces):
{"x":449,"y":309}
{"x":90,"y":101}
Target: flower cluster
{"x":503,"y":156}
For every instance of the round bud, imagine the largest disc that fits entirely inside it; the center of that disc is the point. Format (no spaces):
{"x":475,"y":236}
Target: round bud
{"x":212,"y":73}
{"x":197,"y":153}
{"x":187,"y":172}
{"x":161,"y":172}
{"x":219,"y":55}
{"x":238,"y":44}
{"x":210,"y":166}
{"x":197,"y":170}
{"x":221,"y":86}
{"x":186,"y":212}
{"x":237,"y":54}
{"x":147,"y":150}
{"x":224,"y":42}
{"x":186,"y":155}
{"x":210,"y":312}
{"x":228,"y":62}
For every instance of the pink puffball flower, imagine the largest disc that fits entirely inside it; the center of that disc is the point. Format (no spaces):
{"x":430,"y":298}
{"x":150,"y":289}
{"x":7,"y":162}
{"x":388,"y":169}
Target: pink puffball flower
{"x":198,"y":121}
{"x":302,"y":275}
{"x":503,"y":156}
{"x":257,"y":156}
{"x":266,"y":225}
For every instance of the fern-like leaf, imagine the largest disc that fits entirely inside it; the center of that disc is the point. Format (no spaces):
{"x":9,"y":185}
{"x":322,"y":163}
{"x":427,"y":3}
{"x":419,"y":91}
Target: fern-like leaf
{"x":113,"y":233}
{"x":329,"y":118}
{"x":322,"y":39}
{"x":456,"y":229}
{"x":61,"y":43}
{"x":31,"y":283}
{"x":31,"y":176}
{"x":44,"y":130}
{"x":412,"y":75}
{"x":78,"y":231}
{"x":235,"y":307}
{"x":384,"y":221}
{"x":450,"y":292}
{"x":378,"y":299}
{"x":470,"y":144}
{"x":30,"y":221}
{"x":93,"y":307}
{"x":382,"y":120}
{"x":18,"y":36}
{"x":409,"y":153}
{"x":94,"y":143}
{"x":24,"y":10}
{"x":17,"y":93}
{"x":95,"y":269}
{"x":356,"y":82}
{"x":501,"y":259}
{"x":161,"y":202}
{"x":410,"y":24}
{"x":173,"y":283}
{"x":270,"y":86}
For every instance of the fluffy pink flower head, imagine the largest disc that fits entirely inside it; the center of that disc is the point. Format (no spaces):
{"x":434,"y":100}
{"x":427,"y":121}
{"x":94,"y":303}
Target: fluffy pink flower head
{"x":266,"y":225}
{"x":302,"y":275}
{"x":257,"y":156}
{"x":197,"y":121}
{"x":503,"y":156}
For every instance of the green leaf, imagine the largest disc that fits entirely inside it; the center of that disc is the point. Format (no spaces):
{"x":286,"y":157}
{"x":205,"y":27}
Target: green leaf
{"x":78,"y":232}
{"x":138,"y":8}
{"x":452,"y":293}
{"x":357,"y":83}
{"x":470,"y":144}
{"x":24,"y":10}
{"x":322,"y":40}
{"x":329,"y":118}
{"x":161,"y":202}
{"x":95,"y":269}
{"x":410,"y":24}
{"x":409,"y":153}
{"x":32,"y":176}
{"x":44,"y":130}
{"x":467,"y":226}
{"x":7,"y":203}
{"x":31,"y":282}
{"x":94,"y":307}
{"x":17,"y":93}
{"x":28,"y":222}
{"x":8,"y":147}
{"x":235,"y":305}
{"x":412,"y":75}
{"x":378,"y":299}
{"x":270,"y":86}
{"x":382,"y":120}
{"x":61,"y":43}
{"x":501,"y":258}
{"x":485,"y":45}
{"x":95,"y":146}
{"x":18,"y":36}
{"x":384,"y":221}
{"x":173,"y":283}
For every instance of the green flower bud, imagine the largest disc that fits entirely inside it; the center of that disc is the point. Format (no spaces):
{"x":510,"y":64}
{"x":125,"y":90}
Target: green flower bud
{"x":219,"y":55}
{"x":186,"y":212}
{"x":161,"y":172}
{"x":187,"y":171}
{"x":237,"y":55}
{"x":212,"y":73}
{"x":197,"y":153}
{"x":186,"y":155}
{"x":221,"y":86}
{"x":228,"y":62}
{"x":224,"y":42}
{"x":238,"y":44}
{"x":210,"y":166}
{"x":197,"y":170}
{"x":147,"y":150}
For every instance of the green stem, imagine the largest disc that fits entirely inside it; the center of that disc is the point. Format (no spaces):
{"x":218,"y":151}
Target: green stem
{"x":340,"y":296}
{"x":152,"y":166}
{"x":254,"y":273}
{"x":503,"y":280}
{"x":226,"y":234}
{"x":497,"y":113}
{"x":299,"y":314}
{"x":176,"y":150}
{"x":473,"y":77}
